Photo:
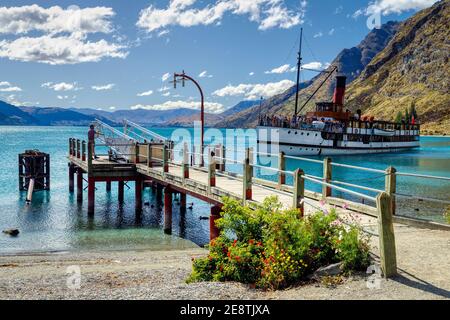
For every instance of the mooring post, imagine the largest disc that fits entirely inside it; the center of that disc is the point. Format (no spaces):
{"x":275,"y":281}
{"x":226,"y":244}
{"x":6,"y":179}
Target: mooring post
{"x":120,"y":191}
{"x":247,"y":175}
{"x":79,"y":185}
{"x":166,"y":158}
{"x":214,"y":231}
{"x":71,"y":178}
{"x":391,"y":186}
{"x":299,"y":191}
{"x":138,"y":195}
{"x":167,"y":210}
{"x":281,"y":168}
{"x":91,"y":196}
{"x":327,"y":177}
{"x":108,"y":186}
{"x":83,"y":151}
{"x":388,"y":254}
{"x":185,"y":161}
{"x":149,"y":156}
{"x":211,"y":170}
{"x":78,"y":148}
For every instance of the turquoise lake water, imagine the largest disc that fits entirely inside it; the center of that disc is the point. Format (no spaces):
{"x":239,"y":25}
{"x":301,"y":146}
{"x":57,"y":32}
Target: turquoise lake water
{"x":55,"y":222}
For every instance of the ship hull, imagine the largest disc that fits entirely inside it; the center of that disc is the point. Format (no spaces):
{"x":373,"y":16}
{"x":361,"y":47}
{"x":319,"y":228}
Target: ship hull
{"x":296,"y":142}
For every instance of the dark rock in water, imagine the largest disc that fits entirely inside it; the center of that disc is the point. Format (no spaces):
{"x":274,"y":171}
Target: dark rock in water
{"x":12,"y":232}
{"x":331,"y":270}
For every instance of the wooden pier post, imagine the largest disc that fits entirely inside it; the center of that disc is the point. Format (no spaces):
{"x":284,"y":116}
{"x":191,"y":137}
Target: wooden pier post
{"x":299,"y":192}
{"x":327,"y":177}
{"x":166,"y":158}
{"x":71,"y":178}
{"x":149,"y":156}
{"x":120,"y":185}
{"x":91,"y":196}
{"x":281,"y":167}
{"x":79,"y":185}
{"x":167,"y":210}
{"x":90,"y":155}
{"x":78,"y":148}
{"x":70,"y":147}
{"x":83,"y":150}
{"x":391,"y":186}
{"x":247,"y":175}
{"x":138,"y":195}
{"x":185,"y":161}
{"x":108,"y":186}
{"x":388,"y":254}
{"x":211,"y":170}
{"x":214,"y":231}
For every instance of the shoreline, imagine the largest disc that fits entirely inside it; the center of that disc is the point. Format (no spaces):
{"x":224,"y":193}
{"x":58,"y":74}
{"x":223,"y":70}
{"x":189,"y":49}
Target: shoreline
{"x":424,"y":273}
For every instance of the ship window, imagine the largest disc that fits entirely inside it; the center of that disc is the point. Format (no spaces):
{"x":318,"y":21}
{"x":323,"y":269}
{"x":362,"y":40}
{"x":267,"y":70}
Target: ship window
{"x":296,"y":132}
{"x":316,"y":134}
{"x":307,"y":134}
{"x":302,"y":133}
{"x":289,"y":132}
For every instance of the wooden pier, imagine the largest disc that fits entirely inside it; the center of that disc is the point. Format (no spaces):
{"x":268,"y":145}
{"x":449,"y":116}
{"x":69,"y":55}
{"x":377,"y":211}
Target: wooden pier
{"x":154,"y":164}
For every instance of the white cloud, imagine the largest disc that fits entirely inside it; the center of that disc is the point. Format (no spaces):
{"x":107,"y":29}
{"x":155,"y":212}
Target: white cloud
{"x":267,"y":13}
{"x":59,"y":36}
{"x":255,"y":91}
{"x":386,"y":7}
{"x":62,"y":86}
{"x":318,"y":35}
{"x":6,"y":86}
{"x":163,"y":33}
{"x":339,"y":10}
{"x":282,"y":69}
{"x":166,"y":94}
{"x":63,"y":97}
{"x":210,"y":107}
{"x":103,"y":87}
{"x":145,"y":94}
{"x":251,"y":74}
{"x":165,"y":77}
{"x":204,"y":74}
{"x":112,"y":108}
{"x":315,"y":65}
{"x":331,"y":32}
{"x":53,"y":20}
{"x":165,"y":88}
{"x":59,"y":50}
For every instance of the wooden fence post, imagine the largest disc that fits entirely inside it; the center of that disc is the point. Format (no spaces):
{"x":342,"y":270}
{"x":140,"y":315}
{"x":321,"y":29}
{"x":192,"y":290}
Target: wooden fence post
{"x":89,"y":157}
{"x":78,"y":148}
{"x":299,"y":191}
{"x":149,"y":156}
{"x":327,"y":177}
{"x":185,"y":161}
{"x":391,"y":186}
{"x":83,"y":150}
{"x":166,"y":158}
{"x":281,"y":168}
{"x":247,"y":175}
{"x":211,"y":169}
{"x":388,"y":255}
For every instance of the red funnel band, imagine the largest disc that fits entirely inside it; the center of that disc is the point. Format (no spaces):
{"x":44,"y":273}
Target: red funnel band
{"x":339,"y":92}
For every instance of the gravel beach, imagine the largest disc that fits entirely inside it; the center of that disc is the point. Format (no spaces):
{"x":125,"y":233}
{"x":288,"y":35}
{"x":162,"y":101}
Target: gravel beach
{"x":423,"y":260}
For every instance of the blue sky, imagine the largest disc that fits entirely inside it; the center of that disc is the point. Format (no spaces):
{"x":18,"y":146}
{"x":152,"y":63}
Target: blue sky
{"x":113,"y":55}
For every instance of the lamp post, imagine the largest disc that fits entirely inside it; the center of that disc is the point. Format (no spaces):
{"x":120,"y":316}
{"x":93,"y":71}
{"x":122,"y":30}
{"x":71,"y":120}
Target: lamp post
{"x":183,"y":77}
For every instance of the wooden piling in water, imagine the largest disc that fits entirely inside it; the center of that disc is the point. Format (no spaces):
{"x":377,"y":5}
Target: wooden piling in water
{"x":91,"y":196}
{"x":388,"y":254}
{"x":138,"y":195}
{"x":71,"y":178}
{"x":120,"y":191}
{"x":108,"y":186}
{"x":183,"y":203}
{"x":167,"y":210}
{"x":79,"y":185}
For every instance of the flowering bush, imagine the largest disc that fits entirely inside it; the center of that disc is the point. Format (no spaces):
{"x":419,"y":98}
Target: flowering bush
{"x":271,"y":248}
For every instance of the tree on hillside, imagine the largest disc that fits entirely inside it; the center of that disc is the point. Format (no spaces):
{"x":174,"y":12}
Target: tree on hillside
{"x":412,"y":110}
{"x":407,"y":116}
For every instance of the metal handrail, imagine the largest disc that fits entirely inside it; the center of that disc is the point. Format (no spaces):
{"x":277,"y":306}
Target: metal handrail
{"x":404,"y":174}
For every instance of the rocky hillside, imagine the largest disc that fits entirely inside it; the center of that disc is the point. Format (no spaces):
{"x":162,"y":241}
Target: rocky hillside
{"x":413,"y":69}
{"x":350,"y":62}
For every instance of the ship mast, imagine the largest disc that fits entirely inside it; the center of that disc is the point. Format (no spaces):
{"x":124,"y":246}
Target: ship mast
{"x":299,"y":66}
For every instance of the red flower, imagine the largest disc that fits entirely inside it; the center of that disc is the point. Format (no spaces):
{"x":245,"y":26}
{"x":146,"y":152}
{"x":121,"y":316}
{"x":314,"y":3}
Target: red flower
{"x":229,"y":254}
{"x":251,"y":241}
{"x":234,"y":243}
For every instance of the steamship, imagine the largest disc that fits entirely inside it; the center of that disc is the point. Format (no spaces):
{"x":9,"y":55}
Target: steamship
{"x":331,"y":130}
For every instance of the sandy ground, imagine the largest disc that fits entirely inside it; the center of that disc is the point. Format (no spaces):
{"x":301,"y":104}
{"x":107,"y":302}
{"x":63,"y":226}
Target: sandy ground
{"x":423,"y":259}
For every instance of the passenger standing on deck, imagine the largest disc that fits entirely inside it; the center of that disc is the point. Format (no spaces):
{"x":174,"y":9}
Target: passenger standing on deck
{"x":91,"y":139}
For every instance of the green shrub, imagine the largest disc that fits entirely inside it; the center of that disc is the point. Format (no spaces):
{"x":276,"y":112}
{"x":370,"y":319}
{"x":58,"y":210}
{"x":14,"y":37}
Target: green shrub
{"x":273,"y":248}
{"x":447,"y":214}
